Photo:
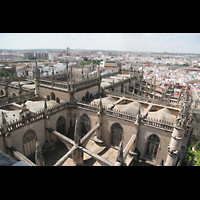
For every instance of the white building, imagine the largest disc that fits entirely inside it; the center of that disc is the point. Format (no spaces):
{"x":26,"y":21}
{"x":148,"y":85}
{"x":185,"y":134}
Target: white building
{"x":51,"y":56}
{"x":108,"y":63}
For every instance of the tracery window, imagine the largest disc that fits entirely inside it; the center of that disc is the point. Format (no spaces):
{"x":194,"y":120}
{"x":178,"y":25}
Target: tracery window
{"x":152,"y":146}
{"x":53,"y":97}
{"x":85,"y":125}
{"x":60,"y":125}
{"x":116,"y":134}
{"x":29,"y":143}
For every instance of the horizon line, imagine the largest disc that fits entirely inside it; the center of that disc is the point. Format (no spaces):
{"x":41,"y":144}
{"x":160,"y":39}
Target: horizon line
{"x":99,"y":50}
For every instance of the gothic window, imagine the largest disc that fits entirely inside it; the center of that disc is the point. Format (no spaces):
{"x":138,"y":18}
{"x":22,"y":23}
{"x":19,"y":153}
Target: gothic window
{"x":48,"y":98}
{"x":152,"y":146}
{"x":60,"y":125}
{"x":53,"y":97}
{"x":2,"y":92}
{"x":85,"y":124}
{"x":57,"y":100}
{"x":29,"y":143}
{"x":116,"y":134}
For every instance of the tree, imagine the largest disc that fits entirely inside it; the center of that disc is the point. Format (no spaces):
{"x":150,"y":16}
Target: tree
{"x":197,"y":146}
{"x":5,"y":74}
{"x":85,"y":59}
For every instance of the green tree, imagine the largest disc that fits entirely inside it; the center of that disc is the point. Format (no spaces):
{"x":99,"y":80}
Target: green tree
{"x":197,"y":146}
{"x":5,"y":74}
{"x":85,"y":59}
{"x":197,"y":158}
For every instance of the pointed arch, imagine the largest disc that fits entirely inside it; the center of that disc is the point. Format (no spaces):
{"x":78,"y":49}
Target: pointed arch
{"x":29,"y":143}
{"x":152,"y":146}
{"x":116,"y":134}
{"x":85,"y":124}
{"x":57,"y":100}
{"x":61,"y":125}
{"x":53,"y":96}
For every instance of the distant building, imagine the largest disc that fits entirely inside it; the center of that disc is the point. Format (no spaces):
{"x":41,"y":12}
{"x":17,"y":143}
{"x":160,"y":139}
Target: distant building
{"x":11,"y":68}
{"x":29,"y":55}
{"x":41,"y":55}
{"x":68,"y":51}
{"x":5,"y":56}
{"x":108,"y":63}
{"x":51,"y":56}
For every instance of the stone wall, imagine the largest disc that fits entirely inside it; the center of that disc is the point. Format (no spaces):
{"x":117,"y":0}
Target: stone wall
{"x":62,"y":95}
{"x":79,"y":95}
{"x":16,"y":133}
{"x":143,"y":136}
{"x":15,"y":137}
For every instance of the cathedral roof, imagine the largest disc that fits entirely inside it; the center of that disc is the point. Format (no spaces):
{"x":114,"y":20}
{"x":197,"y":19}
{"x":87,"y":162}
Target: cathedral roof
{"x":9,"y":115}
{"x":163,"y":114}
{"x":107,"y":101}
{"x":130,"y":108}
{"x":35,"y":106}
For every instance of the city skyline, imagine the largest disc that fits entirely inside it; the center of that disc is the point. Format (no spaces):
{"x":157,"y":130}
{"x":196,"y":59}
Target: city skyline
{"x":150,"y":42}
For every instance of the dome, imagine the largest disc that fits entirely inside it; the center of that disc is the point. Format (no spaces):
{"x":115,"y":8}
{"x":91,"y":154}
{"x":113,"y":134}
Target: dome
{"x":107,"y":101}
{"x":130,"y":108}
{"x":163,"y":115}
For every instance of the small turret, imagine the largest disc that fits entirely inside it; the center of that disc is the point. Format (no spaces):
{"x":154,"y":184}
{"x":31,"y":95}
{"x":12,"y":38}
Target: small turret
{"x":174,"y":148}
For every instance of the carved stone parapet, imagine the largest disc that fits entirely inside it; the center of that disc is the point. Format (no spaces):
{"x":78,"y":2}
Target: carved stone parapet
{"x":172,"y":152}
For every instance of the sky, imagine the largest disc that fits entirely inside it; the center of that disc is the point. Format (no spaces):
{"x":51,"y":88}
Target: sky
{"x":153,"y":42}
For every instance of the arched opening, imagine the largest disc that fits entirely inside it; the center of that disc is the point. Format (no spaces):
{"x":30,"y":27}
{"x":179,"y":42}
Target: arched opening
{"x":48,"y":97}
{"x":91,"y":96}
{"x":57,"y":100}
{"x":83,"y":98}
{"x":152,"y":146}
{"x":53,"y":97}
{"x":61,"y":125}
{"x":29,"y":143}
{"x":116,"y":134}
{"x":2,"y":92}
{"x":85,"y":124}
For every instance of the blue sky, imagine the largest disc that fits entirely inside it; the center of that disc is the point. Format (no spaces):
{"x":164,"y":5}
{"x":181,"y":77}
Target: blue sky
{"x":155,"y":42}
